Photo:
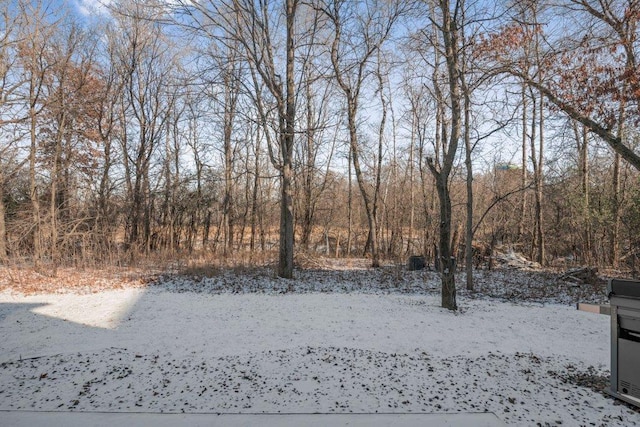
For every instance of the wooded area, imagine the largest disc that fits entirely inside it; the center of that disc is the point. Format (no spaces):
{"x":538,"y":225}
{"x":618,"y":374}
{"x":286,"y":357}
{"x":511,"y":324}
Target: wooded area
{"x":386,"y":128}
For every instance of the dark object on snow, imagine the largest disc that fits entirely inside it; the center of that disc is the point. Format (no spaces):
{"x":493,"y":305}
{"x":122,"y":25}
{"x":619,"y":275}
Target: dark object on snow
{"x":581,"y":276}
{"x":417,"y":262}
{"x":624,"y":296}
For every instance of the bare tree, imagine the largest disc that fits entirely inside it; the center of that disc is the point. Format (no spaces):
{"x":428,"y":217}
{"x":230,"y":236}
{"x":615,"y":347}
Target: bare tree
{"x":523,"y":43}
{"x":359,"y":30}
{"x":316,"y":148}
{"x":581,"y":135}
{"x":145,"y":60}
{"x":35,"y":62}
{"x":447,"y":22}
{"x":11,"y":84}
{"x":253,"y":27}
{"x":71,"y":91}
{"x":421,"y":111}
{"x":231,"y":82}
{"x":585,"y":69}
{"x":107,"y":126}
{"x":313,"y":158}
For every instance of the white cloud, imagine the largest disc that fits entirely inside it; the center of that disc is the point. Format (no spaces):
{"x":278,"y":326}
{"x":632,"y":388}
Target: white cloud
{"x":93,"y":7}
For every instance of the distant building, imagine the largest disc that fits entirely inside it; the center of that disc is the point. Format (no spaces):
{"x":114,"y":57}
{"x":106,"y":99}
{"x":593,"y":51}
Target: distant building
{"x":507,"y":167}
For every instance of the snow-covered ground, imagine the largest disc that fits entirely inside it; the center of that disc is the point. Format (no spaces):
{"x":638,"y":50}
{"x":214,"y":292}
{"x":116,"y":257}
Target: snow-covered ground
{"x":349,"y":341}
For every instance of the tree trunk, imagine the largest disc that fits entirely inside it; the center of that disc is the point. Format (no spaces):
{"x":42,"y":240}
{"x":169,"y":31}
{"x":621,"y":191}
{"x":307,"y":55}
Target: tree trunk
{"x":615,"y":229}
{"x":33,"y":186}
{"x":372,"y":239}
{"x":584,"y":172}
{"x":378,"y":170}
{"x":349,"y":205}
{"x":534,"y":162}
{"x":230,"y":98}
{"x":350,"y":78}
{"x":255,"y":192}
{"x":583,"y":167}
{"x":285,"y":266}
{"x":615,"y":213}
{"x":55,"y":178}
{"x":287,"y":129}
{"x":308,"y":169}
{"x":468,"y":254}
{"x":447,"y":260}
{"x":523,"y":173}
{"x":412,"y":196}
{"x":3,"y":226}
{"x":227,"y":206}
{"x":539,"y":184}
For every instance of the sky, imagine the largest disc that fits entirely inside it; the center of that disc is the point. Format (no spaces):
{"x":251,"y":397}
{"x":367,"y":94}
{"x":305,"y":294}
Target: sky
{"x":89,"y":8}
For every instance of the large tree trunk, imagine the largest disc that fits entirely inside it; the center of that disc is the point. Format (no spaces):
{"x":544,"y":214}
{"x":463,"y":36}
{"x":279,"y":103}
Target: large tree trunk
{"x":450,"y":34}
{"x":446,"y":259}
{"x":287,"y":129}
{"x":285,"y":266}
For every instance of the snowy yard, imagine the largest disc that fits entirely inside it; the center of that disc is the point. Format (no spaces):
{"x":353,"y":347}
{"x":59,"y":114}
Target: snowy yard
{"x":348,"y":341}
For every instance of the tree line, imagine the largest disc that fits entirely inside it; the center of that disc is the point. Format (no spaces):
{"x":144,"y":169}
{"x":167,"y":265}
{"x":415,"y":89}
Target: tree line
{"x":383,"y":128}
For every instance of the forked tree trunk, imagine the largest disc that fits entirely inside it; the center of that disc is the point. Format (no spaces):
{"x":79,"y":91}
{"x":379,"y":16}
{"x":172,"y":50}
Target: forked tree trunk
{"x":447,"y":261}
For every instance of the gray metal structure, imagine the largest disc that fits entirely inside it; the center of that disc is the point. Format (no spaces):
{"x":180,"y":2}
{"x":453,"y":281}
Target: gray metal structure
{"x":624,"y":296}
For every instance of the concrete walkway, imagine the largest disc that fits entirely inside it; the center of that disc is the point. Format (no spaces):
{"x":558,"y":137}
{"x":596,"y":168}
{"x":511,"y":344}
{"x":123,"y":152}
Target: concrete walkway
{"x":120,"y":419}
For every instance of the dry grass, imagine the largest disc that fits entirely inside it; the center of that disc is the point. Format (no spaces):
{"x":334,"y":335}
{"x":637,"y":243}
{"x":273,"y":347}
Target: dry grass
{"x":208,"y":265}
{"x":144,"y":271}
{"x":29,"y":281}
{"x":23,"y":277}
